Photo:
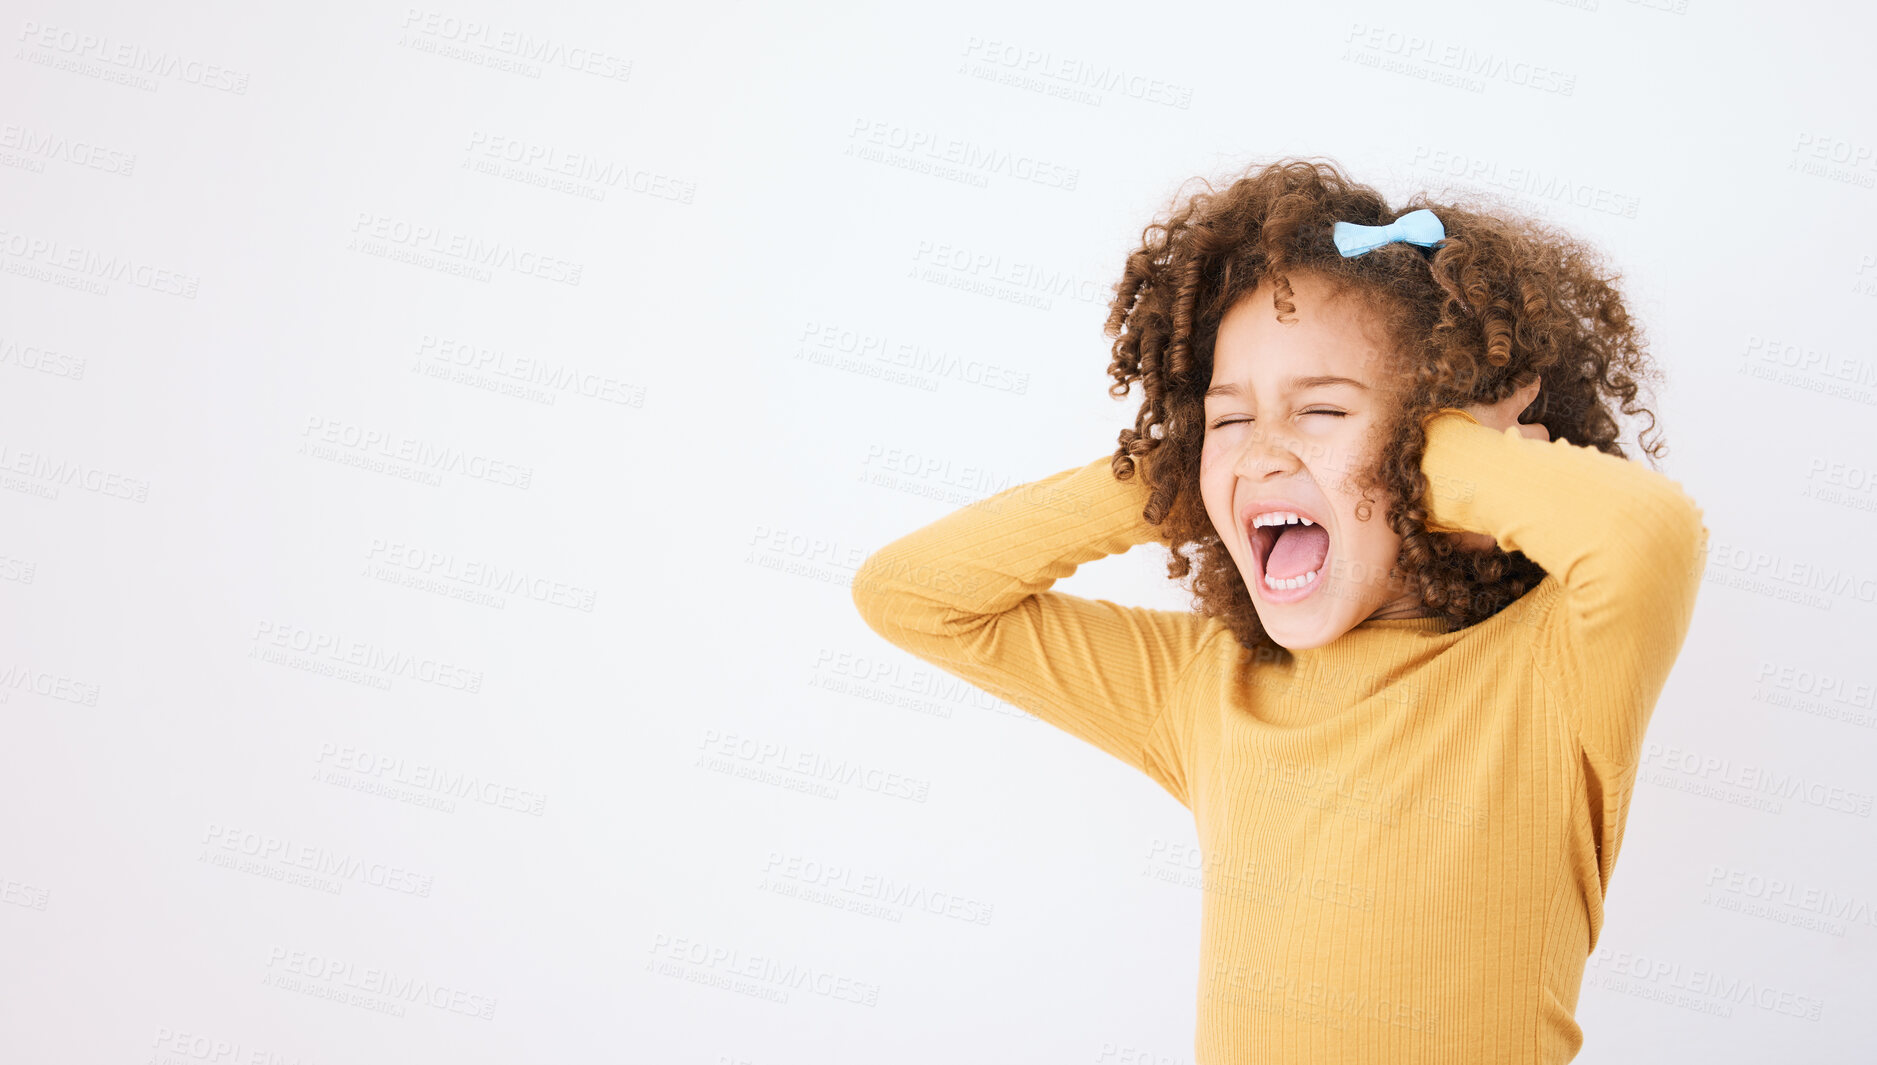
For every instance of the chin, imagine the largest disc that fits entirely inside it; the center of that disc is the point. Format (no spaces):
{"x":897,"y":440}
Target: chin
{"x":1295,"y":619}
{"x":1293,"y":636}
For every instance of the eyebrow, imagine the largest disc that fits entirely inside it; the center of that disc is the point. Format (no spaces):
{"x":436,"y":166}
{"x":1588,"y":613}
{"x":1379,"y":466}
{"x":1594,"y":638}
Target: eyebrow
{"x":1295,"y":384}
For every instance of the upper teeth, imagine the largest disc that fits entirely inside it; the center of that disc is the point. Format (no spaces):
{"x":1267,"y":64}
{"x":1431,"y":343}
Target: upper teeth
{"x":1278,"y":517}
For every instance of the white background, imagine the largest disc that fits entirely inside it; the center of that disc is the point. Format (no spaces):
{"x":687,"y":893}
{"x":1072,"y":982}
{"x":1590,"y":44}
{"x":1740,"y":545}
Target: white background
{"x":731,"y":320}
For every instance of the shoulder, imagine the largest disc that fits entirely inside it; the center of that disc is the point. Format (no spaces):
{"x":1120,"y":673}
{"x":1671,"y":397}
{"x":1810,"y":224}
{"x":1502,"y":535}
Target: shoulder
{"x":1218,"y":659}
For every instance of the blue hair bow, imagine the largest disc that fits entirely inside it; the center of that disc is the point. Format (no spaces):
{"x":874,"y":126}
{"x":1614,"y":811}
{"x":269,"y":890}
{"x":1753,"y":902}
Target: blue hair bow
{"x":1416,"y":227}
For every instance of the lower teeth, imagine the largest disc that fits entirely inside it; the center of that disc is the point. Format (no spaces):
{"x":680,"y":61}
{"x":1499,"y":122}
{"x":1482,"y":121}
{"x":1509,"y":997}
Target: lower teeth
{"x":1283,"y":584}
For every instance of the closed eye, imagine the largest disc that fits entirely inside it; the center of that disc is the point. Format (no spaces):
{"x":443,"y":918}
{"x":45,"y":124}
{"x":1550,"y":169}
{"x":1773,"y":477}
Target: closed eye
{"x":1235,"y":421}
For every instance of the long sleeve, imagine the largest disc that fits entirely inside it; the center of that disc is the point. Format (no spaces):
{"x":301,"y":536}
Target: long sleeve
{"x":1626,"y":544}
{"x":970,"y":593}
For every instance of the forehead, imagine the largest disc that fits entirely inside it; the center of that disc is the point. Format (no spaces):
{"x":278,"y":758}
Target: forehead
{"x":1325,"y":335}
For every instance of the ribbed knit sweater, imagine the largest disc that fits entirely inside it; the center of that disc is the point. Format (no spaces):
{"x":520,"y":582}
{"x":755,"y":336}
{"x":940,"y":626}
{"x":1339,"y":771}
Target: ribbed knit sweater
{"x":1408,"y":834}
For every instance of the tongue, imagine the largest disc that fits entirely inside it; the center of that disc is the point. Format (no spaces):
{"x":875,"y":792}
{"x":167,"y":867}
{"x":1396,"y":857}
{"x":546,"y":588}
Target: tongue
{"x":1300,"y":549}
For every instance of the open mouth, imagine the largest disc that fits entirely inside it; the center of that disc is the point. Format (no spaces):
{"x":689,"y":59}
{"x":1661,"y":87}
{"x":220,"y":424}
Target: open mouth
{"x":1291,"y":552}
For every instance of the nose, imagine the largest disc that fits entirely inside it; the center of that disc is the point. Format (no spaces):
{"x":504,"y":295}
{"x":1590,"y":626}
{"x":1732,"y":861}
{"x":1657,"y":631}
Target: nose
{"x":1266,"y":453}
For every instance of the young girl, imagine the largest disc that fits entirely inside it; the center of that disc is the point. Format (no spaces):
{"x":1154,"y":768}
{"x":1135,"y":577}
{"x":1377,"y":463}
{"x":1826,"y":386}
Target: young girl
{"x":1435,"y":605}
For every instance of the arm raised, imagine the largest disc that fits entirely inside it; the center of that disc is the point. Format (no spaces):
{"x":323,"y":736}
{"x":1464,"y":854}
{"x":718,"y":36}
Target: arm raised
{"x":1626,"y":544}
{"x":971,"y":594}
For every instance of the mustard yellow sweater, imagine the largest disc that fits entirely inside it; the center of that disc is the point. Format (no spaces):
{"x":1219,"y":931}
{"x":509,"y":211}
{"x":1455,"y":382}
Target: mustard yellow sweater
{"x":1407,"y":834}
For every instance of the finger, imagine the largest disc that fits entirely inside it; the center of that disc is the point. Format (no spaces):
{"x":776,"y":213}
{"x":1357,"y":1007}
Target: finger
{"x":1475,"y":542}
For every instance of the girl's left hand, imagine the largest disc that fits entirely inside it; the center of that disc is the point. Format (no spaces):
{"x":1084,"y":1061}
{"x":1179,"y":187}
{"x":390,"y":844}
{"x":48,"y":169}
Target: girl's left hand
{"x":1499,"y":417}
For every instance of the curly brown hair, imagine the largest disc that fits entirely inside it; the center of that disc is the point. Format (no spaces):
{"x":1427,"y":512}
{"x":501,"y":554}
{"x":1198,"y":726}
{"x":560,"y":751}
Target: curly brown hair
{"x":1501,"y":298}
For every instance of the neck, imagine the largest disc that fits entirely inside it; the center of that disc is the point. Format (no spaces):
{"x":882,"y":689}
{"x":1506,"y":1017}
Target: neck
{"x":1406,"y":602}
{"x":1395,"y":612}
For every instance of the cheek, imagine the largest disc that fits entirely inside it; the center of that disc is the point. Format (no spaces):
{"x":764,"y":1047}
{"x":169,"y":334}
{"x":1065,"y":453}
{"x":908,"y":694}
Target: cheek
{"x":1215,"y":491}
{"x":1337,"y":464}
{"x":1213,"y":477}
{"x":1374,"y":538}
{"x":1373,"y":547}
{"x":1217,"y":497}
